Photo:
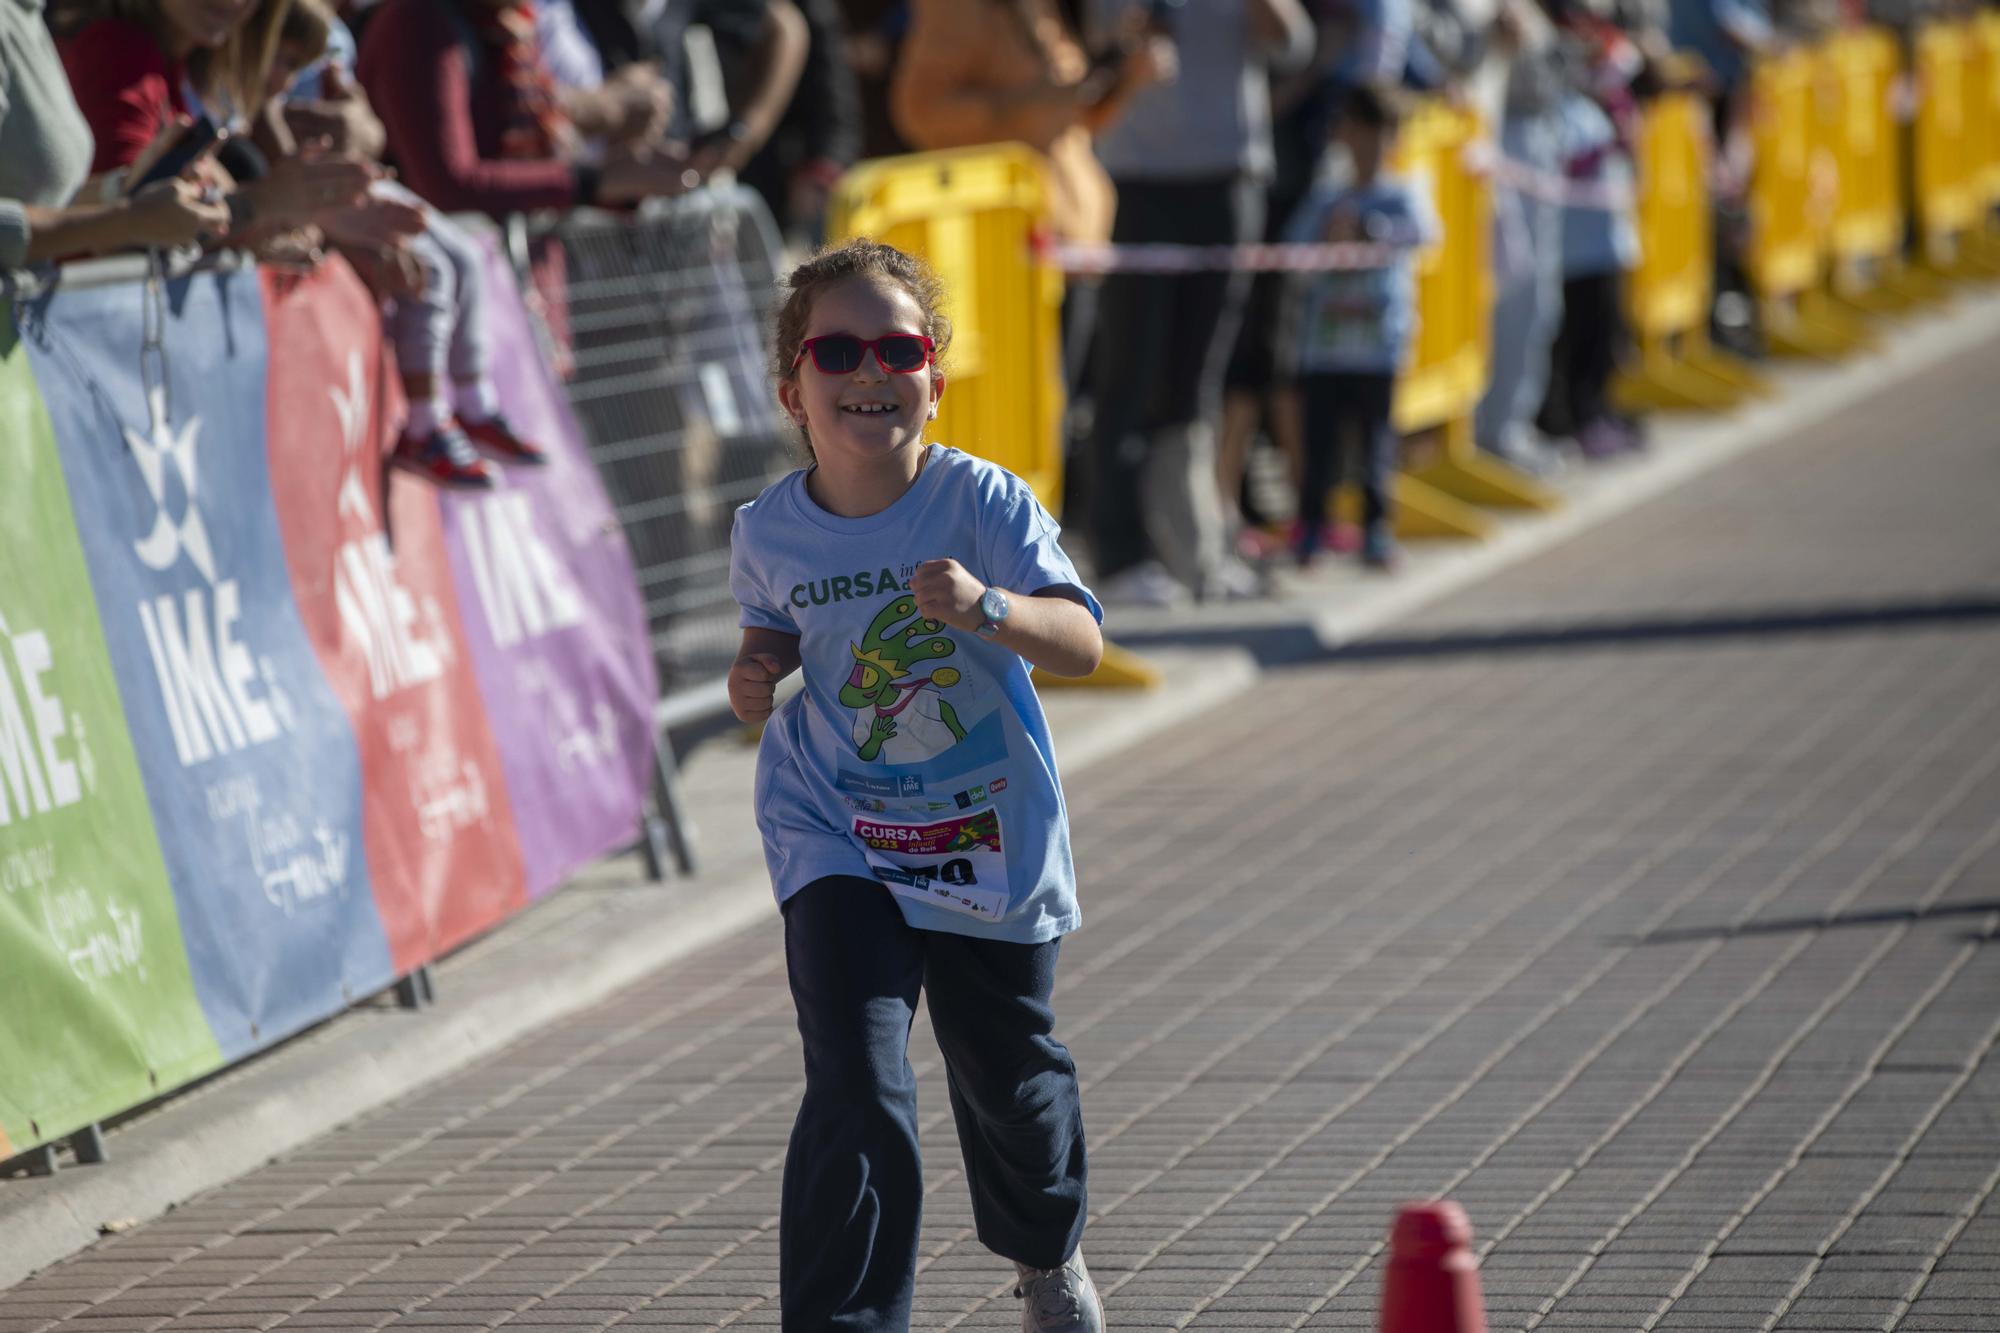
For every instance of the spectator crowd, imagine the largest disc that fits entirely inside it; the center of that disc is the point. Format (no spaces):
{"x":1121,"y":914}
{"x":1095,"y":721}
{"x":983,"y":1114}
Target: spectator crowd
{"x":1212,"y":409}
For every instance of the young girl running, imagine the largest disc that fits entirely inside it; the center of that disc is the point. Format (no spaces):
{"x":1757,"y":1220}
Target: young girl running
{"x":912,"y":819}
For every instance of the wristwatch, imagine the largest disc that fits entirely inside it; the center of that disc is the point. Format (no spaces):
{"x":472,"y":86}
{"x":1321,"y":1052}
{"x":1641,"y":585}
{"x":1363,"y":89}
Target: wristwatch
{"x":993,"y":606}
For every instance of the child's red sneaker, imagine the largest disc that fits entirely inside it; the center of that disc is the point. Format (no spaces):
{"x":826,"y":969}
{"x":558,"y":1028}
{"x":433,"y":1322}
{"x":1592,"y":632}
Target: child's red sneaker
{"x":444,"y":457}
{"x":498,"y":439}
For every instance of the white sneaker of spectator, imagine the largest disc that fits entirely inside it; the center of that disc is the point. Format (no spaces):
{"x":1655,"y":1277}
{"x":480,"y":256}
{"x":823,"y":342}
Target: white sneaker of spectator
{"x":1146,"y":584}
{"x":1527,"y":450}
{"x":1232,"y":581}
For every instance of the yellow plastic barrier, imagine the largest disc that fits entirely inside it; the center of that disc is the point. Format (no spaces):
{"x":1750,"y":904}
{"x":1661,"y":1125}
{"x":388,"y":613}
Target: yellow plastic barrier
{"x":1446,"y":370}
{"x":1446,"y":375}
{"x":1947,"y":202}
{"x":972,"y":213}
{"x":1982,"y":139}
{"x":1986,"y":39}
{"x":1792,"y":207}
{"x":1784,"y":256}
{"x":1858,"y":125}
{"x":1668,"y":293}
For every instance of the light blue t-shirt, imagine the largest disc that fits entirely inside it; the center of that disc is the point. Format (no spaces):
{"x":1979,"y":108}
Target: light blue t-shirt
{"x":1361,"y":320}
{"x":917,"y":754}
{"x":1596,"y":237}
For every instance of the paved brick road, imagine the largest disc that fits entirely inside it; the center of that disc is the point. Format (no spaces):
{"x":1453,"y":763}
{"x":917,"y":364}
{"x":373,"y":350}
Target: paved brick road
{"x":1644,"y":900}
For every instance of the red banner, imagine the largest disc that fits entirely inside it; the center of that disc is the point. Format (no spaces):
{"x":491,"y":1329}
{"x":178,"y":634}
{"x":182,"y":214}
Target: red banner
{"x":373,"y":583}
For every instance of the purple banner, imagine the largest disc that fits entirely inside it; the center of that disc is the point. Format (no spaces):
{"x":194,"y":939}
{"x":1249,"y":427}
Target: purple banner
{"x":553,"y":619}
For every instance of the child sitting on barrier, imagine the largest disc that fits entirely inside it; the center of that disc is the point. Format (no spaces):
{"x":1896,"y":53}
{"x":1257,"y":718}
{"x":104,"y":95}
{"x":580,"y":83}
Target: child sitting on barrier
{"x":1355,"y":323}
{"x":912,"y":821}
{"x":435,"y":284}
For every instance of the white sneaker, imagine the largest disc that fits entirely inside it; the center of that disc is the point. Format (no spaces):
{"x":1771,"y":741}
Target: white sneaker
{"x":1059,"y":1300}
{"x":1529,"y":452}
{"x":1144,"y":585}
{"x":1232,"y":581}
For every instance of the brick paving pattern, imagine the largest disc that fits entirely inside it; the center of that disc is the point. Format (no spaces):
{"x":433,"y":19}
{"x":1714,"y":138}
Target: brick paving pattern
{"x":1643,"y":900}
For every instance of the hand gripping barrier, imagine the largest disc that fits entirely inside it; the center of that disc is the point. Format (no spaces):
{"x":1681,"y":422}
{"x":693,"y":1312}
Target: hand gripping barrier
{"x":975,"y":215}
{"x":1669,"y":292}
{"x":1446,"y":373}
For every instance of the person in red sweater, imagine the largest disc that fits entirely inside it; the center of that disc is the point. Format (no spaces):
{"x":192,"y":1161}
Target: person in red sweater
{"x":474,"y":124}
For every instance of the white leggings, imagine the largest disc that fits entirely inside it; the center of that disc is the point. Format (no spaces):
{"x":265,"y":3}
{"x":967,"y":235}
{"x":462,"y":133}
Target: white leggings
{"x":441,"y":331}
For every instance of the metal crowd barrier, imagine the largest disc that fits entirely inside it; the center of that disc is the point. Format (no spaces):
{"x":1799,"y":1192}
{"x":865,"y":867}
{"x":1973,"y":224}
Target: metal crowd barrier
{"x":670,"y":313}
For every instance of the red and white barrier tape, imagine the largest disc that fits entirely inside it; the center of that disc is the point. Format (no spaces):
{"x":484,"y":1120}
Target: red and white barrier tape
{"x":1525,"y":178}
{"x":1089,"y":260}
{"x":1072,"y":257}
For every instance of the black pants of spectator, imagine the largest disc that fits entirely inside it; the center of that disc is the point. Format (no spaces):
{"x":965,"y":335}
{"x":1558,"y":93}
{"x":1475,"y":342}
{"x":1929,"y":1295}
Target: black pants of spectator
{"x":853,"y":1191}
{"x":1162,"y":342}
{"x":1588,"y":348}
{"x":1346,"y":410}
{"x":1257,"y":363}
{"x":1079,"y":334}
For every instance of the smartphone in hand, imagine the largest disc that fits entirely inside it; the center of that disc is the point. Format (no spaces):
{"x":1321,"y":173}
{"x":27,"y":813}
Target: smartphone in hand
{"x":198,"y":137}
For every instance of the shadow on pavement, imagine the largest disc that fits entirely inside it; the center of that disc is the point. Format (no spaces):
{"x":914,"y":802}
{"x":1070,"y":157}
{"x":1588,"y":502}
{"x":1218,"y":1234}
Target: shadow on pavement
{"x":1885,"y":916}
{"x":1947,"y":610}
{"x":1298,"y":644}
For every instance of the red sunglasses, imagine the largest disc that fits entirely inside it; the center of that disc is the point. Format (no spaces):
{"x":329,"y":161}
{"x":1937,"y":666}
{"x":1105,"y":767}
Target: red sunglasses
{"x":841,"y":353}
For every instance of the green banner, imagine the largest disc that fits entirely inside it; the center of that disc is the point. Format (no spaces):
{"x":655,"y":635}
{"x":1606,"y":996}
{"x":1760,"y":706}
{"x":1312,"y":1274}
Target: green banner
{"x":97,"y":1009}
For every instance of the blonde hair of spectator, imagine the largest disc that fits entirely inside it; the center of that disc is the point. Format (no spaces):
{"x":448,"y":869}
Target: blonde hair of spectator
{"x":857,"y":258}
{"x":233,"y":73}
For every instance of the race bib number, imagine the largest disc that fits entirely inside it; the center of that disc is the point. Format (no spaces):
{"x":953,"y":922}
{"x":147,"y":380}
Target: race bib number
{"x":955,"y":864}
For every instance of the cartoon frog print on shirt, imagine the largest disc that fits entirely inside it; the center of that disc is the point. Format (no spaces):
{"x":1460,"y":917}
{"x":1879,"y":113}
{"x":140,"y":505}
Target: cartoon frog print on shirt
{"x":901,"y":716}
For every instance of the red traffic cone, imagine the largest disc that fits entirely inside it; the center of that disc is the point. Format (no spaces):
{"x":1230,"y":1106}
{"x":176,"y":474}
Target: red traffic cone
{"x":1432,"y":1285}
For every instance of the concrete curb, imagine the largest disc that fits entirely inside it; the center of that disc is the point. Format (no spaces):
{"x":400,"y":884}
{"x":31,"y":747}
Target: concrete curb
{"x":1807,"y":397}
{"x":1322,"y":611}
{"x":609,"y":928}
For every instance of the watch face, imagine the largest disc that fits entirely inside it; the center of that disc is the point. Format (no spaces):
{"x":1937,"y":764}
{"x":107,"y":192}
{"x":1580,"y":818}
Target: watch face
{"x":993,"y":605}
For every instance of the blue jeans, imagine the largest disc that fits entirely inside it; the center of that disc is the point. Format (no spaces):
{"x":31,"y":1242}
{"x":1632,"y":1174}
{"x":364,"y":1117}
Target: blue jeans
{"x":1527,"y":302}
{"x":854,"y":1184}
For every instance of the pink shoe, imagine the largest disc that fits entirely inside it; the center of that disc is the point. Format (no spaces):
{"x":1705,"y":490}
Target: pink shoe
{"x":1259,"y":544}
